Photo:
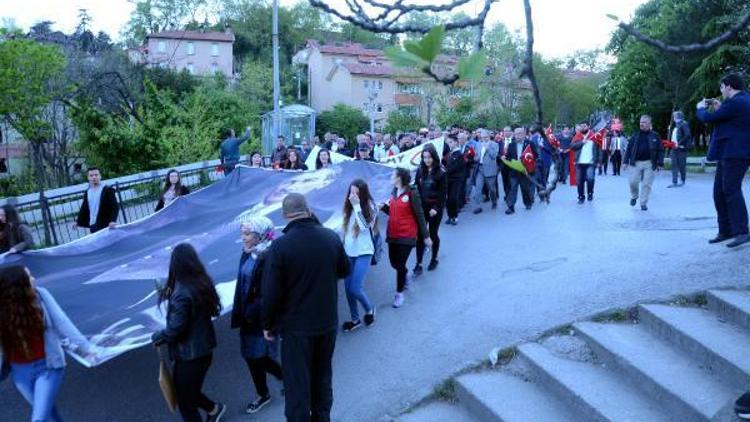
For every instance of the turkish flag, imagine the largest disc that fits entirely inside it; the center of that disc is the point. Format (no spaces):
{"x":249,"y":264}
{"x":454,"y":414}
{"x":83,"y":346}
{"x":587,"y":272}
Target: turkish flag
{"x":666,"y":143}
{"x":552,"y":138}
{"x":598,"y":137}
{"x":528,"y":160}
{"x":572,"y":167}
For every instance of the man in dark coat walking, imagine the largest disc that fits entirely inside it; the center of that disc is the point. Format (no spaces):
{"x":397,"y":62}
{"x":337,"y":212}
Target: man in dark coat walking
{"x":300,"y":285}
{"x":99,"y":207}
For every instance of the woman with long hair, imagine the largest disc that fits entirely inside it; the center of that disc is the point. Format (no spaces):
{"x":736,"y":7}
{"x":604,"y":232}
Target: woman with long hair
{"x":15,"y":235}
{"x":260,"y":354}
{"x":360,"y":221}
{"x":173,"y":188}
{"x":432,"y":184}
{"x":189,"y":333}
{"x":324,"y":159}
{"x":33,"y":330}
{"x":256,"y":160}
{"x":293,"y":161}
{"x":405,"y":224}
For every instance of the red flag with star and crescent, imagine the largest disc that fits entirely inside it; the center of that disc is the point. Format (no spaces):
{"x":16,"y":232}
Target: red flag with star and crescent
{"x":528,"y":160}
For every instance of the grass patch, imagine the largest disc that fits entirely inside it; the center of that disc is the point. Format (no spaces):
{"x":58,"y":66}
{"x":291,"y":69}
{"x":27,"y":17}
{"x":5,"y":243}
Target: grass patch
{"x":617,"y":315}
{"x":445,"y":391}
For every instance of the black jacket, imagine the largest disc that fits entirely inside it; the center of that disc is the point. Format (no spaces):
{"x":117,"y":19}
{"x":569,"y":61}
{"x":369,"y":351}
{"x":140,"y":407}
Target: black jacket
{"x":513,"y":153}
{"x":190,"y":331}
{"x":684,"y":137}
{"x":300,"y":279}
{"x":656,"y":150}
{"x":455,"y":167}
{"x":183,"y":191}
{"x":246,"y":312}
{"x":432,"y":189}
{"x":108,"y":209}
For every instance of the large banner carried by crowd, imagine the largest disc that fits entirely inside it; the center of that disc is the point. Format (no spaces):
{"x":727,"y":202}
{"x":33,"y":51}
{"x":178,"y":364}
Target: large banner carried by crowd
{"x":107,"y":282}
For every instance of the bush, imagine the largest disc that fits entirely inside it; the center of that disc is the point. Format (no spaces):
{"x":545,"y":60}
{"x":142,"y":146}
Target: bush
{"x":403,"y":121}
{"x":342,"y":120}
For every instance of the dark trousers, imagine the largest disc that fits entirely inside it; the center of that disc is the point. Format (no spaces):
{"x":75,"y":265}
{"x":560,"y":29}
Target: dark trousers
{"x":308,"y":376}
{"x":228,"y":166}
{"x":455,"y":201}
{"x":188,"y":378}
{"x":258,"y":370}
{"x":616,"y":162}
{"x":585,"y":175}
{"x":731,"y":211}
{"x":398,"y":254}
{"x":679,"y":165}
{"x":505,"y":175}
{"x":565,"y":161}
{"x":433,"y":225}
{"x":604,"y":163}
{"x":527,"y":195}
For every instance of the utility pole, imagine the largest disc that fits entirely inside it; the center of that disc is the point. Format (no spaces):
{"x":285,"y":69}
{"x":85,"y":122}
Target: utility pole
{"x":276,"y":88}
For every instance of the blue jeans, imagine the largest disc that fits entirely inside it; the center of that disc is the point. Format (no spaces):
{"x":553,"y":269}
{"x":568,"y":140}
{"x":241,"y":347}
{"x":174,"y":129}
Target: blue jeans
{"x":39,"y":385}
{"x":354,"y":283}
{"x":585,"y":175}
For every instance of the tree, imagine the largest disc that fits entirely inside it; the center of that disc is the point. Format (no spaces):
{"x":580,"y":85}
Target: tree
{"x":646,"y":80}
{"x":402,"y":121}
{"x":343,"y":120}
{"x":30,"y":76}
{"x":158,"y":15}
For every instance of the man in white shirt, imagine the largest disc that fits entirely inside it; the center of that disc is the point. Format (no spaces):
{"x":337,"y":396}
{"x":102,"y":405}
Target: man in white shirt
{"x":587,"y":154}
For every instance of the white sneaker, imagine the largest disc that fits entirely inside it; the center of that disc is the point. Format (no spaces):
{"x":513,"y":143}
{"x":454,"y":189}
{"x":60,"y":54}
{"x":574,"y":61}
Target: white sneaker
{"x":398,"y":300}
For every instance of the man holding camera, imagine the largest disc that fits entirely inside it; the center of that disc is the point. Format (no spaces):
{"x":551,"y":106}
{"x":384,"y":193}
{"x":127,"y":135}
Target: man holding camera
{"x":730,"y":147}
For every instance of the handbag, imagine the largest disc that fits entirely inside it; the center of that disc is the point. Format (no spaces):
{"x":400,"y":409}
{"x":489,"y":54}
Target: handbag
{"x":377,"y":246}
{"x":166,"y":382}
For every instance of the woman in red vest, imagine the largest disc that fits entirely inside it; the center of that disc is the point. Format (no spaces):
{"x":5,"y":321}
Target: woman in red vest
{"x":406,"y":222}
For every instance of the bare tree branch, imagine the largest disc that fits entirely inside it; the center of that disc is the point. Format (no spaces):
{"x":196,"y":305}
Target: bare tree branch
{"x":528,"y":68}
{"x":359,"y":18}
{"x":709,"y":45}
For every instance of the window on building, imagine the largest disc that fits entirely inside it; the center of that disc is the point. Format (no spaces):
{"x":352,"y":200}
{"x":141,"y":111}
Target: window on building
{"x":380,"y":108}
{"x":215,"y":49}
{"x":190,"y":68}
{"x":3,"y":166}
{"x":380,"y":84}
{"x":367,"y":83}
{"x":214,"y":67}
{"x":190,"y":49}
{"x":162,"y":47}
{"x":365,"y":106}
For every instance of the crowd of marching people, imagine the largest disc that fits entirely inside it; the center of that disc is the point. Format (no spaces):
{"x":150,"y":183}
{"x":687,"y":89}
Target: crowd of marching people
{"x":284,"y":291}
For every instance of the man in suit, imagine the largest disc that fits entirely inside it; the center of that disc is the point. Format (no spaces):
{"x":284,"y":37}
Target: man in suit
{"x":504,"y":170}
{"x":730,"y":146}
{"x":99,"y":207}
{"x":681,"y":136}
{"x":514,"y":152}
{"x":486,"y":171}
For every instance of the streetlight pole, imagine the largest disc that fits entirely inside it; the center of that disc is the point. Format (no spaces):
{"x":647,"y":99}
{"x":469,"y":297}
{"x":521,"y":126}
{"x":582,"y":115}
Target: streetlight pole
{"x":276,"y":88}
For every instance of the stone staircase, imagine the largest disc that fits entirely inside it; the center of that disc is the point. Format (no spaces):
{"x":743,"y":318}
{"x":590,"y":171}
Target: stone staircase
{"x":670,"y":363}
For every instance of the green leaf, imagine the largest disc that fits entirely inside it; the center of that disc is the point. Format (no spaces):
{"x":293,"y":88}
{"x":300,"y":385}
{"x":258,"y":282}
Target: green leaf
{"x":431,"y":43}
{"x":414,"y":48}
{"x":472,"y":67}
{"x":613,"y":17}
{"x":403,"y":58}
{"x":515,"y":165}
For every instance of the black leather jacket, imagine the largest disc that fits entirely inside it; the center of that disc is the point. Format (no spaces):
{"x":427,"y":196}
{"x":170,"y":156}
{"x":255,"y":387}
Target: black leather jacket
{"x":190,"y":331}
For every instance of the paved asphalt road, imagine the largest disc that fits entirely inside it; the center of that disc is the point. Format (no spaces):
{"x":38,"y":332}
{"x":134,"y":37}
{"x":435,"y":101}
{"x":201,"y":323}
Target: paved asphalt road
{"x":501,"y":280}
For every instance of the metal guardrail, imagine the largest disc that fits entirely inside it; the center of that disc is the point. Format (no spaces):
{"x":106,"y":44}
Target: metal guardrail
{"x":51,"y":214}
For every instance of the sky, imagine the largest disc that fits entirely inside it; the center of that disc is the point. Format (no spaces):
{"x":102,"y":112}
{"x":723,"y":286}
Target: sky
{"x":561,"y":26}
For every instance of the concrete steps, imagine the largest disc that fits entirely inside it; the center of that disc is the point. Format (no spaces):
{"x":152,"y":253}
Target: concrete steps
{"x":731,"y":305}
{"x":677,"y":382}
{"x":495,"y":396}
{"x":596,"y":393}
{"x":677,"y":363}
{"x":719,"y":346}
